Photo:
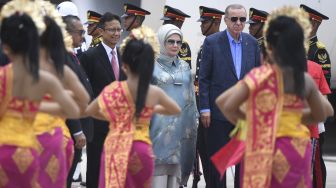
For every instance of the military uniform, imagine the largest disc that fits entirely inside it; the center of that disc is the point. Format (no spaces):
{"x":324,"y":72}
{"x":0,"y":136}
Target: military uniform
{"x":206,"y":14}
{"x":132,"y":10}
{"x":318,"y":53}
{"x":255,"y":17}
{"x":93,"y":18}
{"x":171,"y":13}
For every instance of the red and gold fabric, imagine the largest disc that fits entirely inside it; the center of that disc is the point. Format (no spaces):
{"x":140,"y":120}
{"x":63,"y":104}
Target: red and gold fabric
{"x":274,"y":131}
{"x":18,"y":144}
{"x":117,"y":105}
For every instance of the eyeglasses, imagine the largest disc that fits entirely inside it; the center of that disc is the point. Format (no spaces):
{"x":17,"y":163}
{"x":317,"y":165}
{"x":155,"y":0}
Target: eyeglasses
{"x":235,"y":19}
{"x":81,"y":32}
{"x":174,"y":42}
{"x":114,"y":30}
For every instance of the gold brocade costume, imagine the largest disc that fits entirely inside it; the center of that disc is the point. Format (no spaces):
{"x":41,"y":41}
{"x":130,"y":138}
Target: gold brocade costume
{"x":46,"y":123}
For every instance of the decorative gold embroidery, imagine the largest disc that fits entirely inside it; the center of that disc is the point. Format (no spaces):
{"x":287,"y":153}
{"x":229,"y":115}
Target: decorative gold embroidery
{"x":52,"y":168}
{"x":3,"y":177}
{"x":280,"y":166}
{"x":135,"y":164}
{"x":34,"y":183}
{"x":265,"y":101}
{"x":301,"y":183}
{"x":300,"y":145}
{"x":23,"y":159}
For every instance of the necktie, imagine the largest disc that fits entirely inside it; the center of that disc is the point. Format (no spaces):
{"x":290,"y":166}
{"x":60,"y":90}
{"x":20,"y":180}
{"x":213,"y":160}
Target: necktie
{"x":115,"y":66}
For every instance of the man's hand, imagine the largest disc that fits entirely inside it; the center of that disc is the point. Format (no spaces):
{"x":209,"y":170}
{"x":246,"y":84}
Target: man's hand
{"x":205,"y":118}
{"x":80,"y":141}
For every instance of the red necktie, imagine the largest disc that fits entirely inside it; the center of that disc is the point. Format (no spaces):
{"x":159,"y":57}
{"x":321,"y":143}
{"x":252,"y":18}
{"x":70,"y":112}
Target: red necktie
{"x":115,"y":66}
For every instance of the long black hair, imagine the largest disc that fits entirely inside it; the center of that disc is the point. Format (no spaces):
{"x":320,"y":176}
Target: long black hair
{"x":19,"y":33}
{"x":139,"y":56}
{"x":286,"y":37}
{"x":52,"y":40}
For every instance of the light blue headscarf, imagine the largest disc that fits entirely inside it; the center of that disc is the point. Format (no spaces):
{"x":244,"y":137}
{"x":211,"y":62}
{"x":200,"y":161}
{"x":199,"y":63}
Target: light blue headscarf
{"x":164,"y":32}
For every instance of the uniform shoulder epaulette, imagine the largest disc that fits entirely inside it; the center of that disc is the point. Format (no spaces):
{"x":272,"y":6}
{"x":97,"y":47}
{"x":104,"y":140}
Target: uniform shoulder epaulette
{"x":320,"y":45}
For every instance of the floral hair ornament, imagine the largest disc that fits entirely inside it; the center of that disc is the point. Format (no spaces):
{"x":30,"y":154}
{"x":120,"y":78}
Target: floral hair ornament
{"x":300,"y":16}
{"x":147,"y":35}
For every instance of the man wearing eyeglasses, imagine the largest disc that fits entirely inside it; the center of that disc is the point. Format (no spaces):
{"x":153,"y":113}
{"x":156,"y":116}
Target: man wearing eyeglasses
{"x":102,"y":64}
{"x":75,"y":28}
{"x":227,"y":56}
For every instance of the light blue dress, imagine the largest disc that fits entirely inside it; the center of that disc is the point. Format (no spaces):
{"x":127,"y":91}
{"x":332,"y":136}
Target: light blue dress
{"x":174,"y":137}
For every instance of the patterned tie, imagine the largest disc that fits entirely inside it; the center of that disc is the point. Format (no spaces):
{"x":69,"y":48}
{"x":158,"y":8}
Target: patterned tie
{"x":115,"y":66}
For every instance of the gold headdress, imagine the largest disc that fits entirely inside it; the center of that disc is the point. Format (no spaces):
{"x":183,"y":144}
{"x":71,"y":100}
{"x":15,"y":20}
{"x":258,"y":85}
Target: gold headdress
{"x":301,"y":17}
{"x":143,"y":33}
{"x":23,"y":6}
{"x":37,"y":9}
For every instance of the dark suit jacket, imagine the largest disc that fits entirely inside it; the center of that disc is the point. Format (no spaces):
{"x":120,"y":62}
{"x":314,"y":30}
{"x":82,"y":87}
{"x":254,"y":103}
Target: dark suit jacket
{"x":217,"y":71}
{"x":99,"y":71}
{"x":83,"y":124}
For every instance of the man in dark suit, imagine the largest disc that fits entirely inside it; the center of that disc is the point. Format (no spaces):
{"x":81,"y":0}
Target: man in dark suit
{"x":102,"y":64}
{"x":210,"y":19}
{"x":227,"y":56}
{"x":81,"y":129}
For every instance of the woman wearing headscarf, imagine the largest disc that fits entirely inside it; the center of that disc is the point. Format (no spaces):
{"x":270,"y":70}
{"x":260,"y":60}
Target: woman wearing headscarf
{"x":173,"y":137}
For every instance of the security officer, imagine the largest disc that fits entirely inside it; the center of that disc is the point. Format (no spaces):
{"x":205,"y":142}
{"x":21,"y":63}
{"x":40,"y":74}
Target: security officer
{"x":133,"y":16}
{"x":257,"y":21}
{"x":210,"y":19}
{"x":92,"y":25}
{"x":317,"y":52}
{"x":176,"y":17}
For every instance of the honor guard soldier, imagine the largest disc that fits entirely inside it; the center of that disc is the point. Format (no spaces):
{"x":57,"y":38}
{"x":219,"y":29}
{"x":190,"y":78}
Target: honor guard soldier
{"x":92,"y":27}
{"x":257,"y":21}
{"x":317,"y":52}
{"x":210,"y":19}
{"x":133,"y":16}
{"x":176,"y":17}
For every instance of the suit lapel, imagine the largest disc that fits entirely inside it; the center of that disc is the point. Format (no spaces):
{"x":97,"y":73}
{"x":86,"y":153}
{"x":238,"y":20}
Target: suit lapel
{"x":103,"y":58}
{"x":120,"y":64}
{"x":227,"y":52}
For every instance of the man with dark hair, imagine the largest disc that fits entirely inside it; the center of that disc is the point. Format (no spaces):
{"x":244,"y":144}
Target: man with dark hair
{"x":176,"y":17}
{"x":227,"y":56}
{"x":210,"y":19}
{"x":257,"y":21}
{"x":92,"y":27}
{"x":75,"y":28}
{"x":102,"y":64}
{"x":133,"y":16}
{"x":318,"y":53}
{"x":81,"y":129}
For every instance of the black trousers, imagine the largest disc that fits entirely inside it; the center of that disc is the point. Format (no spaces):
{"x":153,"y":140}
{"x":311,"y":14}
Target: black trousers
{"x":217,"y":136}
{"x":201,"y":148}
{"x":94,"y":150}
{"x":75,"y":161}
